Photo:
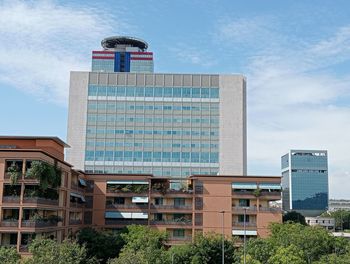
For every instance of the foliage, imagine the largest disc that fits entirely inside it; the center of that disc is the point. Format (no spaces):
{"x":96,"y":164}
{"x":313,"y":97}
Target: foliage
{"x":102,"y":245}
{"x":14,"y":172}
{"x":257,"y":192}
{"x":341,"y":217}
{"x":48,"y":175}
{"x":9,"y":255}
{"x":161,"y":187}
{"x":294,"y":217}
{"x":204,"y":250}
{"x":146,"y":244}
{"x":290,"y":254}
{"x":310,"y":244}
{"x":129,"y":257}
{"x":50,"y":252}
{"x":133,"y":188}
{"x":260,"y":249}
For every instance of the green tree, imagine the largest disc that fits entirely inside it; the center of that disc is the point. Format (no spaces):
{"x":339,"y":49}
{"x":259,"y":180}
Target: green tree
{"x":288,"y":255}
{"x":341,"y":217}
{"x":103,"y":245}
{"x":47,"y":251}
{"x":145,"y":244}
{"x":206,"y":249}
{"x":294,"y":217}
{"x":9,"y":255}
{"x":260,"y":249}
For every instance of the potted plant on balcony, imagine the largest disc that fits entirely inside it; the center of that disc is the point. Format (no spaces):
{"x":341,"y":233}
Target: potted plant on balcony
{"x":257,"y":192}
{"x":48,"y":175}
{"x":14,"y":172}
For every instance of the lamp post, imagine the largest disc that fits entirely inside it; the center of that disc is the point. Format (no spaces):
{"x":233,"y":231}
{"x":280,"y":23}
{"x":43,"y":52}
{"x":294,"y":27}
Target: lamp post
{"x":244,"y":237}
{"x":223,"y":238}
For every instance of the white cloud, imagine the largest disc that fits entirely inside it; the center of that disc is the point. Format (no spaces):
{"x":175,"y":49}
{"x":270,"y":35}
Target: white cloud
{"x":42,"y":41}
{"x":293,"y":102}
{"x":192,"y":55}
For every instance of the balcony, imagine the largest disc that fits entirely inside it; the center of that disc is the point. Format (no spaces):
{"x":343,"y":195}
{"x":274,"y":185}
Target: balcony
{"x":76,"y":205}
{"x":241,"y":209}
{"x":179,"y":240}
{"x":270,"y":209}
{"x":23,"y":248}
{"x":171,"y":207}
{"x":40,"y":200}
{"x":241,"y":224}
{"x":77,"y":187}
{"x":38,"y":223}
{"x":9,"y":223}
{"x":11,"y":199}
{"x":127,"y":206}
{"x":182,"y":222}
{"x":126,"y":222}
{"x":75,"y":221}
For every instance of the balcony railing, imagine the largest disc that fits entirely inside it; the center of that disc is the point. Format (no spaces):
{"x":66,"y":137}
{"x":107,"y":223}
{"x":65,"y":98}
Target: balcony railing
{"x":171,"y":207}
{"x":247,"y":224}
{"x":76,"y":205}
{"x":179,"y":240}
{"x":10,"y":199}
{"x":76,"y":187}
{"x":9,"y":223}
{"x":127,"y":206}
{"x":23,"y":248}
{"x":125,"y":222}
{"x":271,"y":209}
{"x":75,"y":221}
{"x":172,"y":222}
{"x":38,"y":223}
{"x":40,"y":200}
{"x":242,"y":209}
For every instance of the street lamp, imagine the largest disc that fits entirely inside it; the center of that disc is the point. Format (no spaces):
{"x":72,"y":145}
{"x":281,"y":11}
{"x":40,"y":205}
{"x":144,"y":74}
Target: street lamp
{"x":223,"y":238}
{"x":244,"y":236}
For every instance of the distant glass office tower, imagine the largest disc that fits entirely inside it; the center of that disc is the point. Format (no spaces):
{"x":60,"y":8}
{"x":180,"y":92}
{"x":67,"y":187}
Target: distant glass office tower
{"x":305,"y":181}
{"x":123,"y":118}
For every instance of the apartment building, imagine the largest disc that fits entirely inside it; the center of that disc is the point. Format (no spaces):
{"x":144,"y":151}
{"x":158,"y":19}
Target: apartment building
{"x":30,"y":206}
{"x":235,"y":205}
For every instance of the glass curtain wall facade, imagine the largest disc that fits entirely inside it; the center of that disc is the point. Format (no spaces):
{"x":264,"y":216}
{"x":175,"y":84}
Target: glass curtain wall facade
{"x":305,"y":181}
{"x":166,"y":131}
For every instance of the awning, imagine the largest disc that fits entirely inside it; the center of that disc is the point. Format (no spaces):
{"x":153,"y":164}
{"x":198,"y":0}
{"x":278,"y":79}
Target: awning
{"x":247,"y":232}
{"x":270,"y":186}
{"x":82,"y":182}
{"x":244,"y":185}
{"x":140,"y":199}
{"x":127,"y":182}
{"x":125,"y":215}
{"x":77,"y":195}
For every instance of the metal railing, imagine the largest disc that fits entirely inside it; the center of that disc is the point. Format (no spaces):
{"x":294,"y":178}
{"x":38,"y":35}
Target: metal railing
{"x":243,"y":208}
{"x":10,"y":199}
{"x":38,"y":223}
{"x":40,"y":200}
{"x":9,"y":223}
{"x":171,"y":207}
{"x":125,"y":222}
{"x":75,"y":221}
{"x":172,"y":222}
{"x":247,"y":224}
{"x":270,"y":209}
{"x":127,"y":206}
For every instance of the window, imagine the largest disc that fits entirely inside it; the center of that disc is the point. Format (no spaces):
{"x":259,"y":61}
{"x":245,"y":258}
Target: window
{"x":179,"y":233}
{"x":241,"y":218}
{"x":158,"y":201}
{"x":149,"y":91}
{"x":179,"y":201}
{"x":119,"y":200}
{"x":158,"y":217}
{"x":244,"y":202}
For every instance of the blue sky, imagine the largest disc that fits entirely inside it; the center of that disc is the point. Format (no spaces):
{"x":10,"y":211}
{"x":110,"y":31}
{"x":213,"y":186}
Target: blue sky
{"x":295,"y":55}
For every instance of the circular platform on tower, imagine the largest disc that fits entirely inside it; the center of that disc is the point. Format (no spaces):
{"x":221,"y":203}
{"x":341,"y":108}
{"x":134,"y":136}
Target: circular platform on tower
{"x":113,"y":42}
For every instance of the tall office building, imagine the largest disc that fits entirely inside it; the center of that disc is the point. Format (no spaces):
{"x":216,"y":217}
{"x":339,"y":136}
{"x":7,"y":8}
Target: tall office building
{"x":305,"y":181}
{"x":123,"y":118}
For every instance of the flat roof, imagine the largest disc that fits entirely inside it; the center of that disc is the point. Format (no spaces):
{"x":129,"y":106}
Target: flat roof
{"x":56,"y":139}
{"x":112,"y":42}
